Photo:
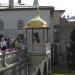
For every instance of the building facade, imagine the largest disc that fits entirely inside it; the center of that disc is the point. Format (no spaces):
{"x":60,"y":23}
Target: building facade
{"x":12,"y":21}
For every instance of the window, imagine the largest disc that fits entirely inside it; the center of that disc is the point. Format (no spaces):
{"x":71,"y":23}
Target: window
{"x":1,"y":25}
{"x":35,"y":38}
{"x":56,"y":33}
{"x":20,"y":24}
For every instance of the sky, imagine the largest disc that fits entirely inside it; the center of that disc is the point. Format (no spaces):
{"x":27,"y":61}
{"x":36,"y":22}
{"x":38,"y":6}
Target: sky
{"x":67,"y":5}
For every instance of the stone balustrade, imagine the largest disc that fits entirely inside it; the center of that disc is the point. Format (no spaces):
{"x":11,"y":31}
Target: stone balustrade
{"x":14,"y":63}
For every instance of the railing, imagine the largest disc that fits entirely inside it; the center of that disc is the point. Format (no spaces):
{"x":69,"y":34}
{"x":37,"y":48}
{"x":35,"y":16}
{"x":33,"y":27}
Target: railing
{"x":41,"y":67}
{"x":39,"y":48}
{"x":47,"y":51}
{"x":14,"y":63}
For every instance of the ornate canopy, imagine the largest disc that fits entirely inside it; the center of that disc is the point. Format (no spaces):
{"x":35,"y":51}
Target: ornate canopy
{"x":36,"y":22}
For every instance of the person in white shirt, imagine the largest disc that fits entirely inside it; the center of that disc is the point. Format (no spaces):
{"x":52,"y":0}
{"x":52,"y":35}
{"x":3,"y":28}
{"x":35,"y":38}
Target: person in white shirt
{"x":3,"y":44}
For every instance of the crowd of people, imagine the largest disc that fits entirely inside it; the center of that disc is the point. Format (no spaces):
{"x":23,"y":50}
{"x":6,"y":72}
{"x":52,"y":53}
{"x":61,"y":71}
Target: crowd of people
{"x":9,"y":44}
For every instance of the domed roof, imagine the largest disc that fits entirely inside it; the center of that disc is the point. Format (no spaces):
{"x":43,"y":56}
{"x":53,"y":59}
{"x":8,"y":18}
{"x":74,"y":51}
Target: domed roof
{"x":36,"y":22}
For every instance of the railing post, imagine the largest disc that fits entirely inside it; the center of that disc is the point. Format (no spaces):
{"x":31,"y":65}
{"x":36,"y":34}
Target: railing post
{"x":3,"y":59}
{"x":25,"y":69}
{"x":14,"y":71}
{"x":20,"y":69}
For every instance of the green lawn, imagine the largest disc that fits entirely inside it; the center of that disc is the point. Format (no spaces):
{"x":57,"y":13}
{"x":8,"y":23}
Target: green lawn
{"x":63,"y":74}
{"x":60,"y":71}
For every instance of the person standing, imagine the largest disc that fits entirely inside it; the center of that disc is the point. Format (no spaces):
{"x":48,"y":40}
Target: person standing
{"x":3,"y":44}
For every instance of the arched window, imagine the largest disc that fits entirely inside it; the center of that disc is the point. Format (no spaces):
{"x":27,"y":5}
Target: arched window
{"x":45,"y":69}
{"x":38,"y":72}
{"x":56,"y":33}
{"x":20,"y":24}
{"x":1,"y":25}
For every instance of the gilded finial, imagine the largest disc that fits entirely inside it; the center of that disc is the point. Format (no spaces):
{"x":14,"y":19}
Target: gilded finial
{"x":38,"y":11}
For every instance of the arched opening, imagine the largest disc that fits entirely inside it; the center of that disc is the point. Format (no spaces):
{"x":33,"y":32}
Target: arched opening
{"x":45,"y":69}
{"x":38,"y":72}
{"x":20,"y":24}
